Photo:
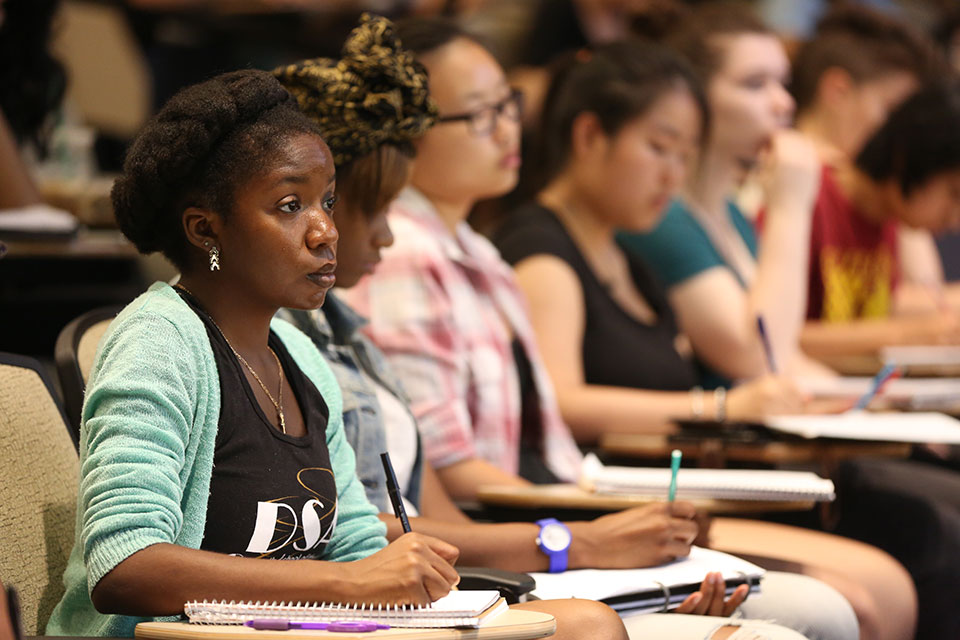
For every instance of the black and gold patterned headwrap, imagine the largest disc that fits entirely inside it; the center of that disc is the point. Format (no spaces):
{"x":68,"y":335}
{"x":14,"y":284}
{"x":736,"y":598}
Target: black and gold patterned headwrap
{"x":377,"y":93}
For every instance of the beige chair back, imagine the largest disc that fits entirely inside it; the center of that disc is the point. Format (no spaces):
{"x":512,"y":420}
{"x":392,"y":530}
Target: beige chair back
{"x":39,"y":473}
{"x":87,"y":347}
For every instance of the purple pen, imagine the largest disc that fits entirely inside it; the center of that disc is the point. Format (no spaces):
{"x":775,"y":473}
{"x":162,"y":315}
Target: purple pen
{"x":355,"y":626}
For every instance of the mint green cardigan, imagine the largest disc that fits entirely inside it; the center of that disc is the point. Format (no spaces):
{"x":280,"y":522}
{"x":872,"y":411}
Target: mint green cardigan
{"x":146,"y":452}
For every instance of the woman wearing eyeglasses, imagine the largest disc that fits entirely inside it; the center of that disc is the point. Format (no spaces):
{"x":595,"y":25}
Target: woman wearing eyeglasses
{"x":442,"y":303}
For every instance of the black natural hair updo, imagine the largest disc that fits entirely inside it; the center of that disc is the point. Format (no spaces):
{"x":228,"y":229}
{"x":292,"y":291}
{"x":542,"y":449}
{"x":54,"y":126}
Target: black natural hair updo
{"x":919,"y":140}
{"x":203,"y":144}
{"x":616,"y":82}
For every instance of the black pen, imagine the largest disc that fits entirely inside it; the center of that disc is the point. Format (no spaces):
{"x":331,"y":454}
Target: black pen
{"x":394,"y":490}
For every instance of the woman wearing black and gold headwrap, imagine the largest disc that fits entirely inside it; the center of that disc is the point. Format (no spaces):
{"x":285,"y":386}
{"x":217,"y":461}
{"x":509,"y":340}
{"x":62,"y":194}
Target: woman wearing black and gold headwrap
{"x":370,"y":105}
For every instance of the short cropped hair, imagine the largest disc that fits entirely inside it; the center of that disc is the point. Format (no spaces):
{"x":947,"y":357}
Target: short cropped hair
{"x":919,"y":140}
{"x":865,"y":43}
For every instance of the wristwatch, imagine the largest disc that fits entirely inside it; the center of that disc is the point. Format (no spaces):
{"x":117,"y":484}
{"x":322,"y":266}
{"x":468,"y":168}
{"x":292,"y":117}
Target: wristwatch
{"x":554,"y":540}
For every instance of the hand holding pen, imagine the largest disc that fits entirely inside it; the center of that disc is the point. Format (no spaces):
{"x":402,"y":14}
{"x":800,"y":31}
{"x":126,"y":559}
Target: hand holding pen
{"x":393,"y":490}
{"x":887,"y":374}
{"x":413,"y":569}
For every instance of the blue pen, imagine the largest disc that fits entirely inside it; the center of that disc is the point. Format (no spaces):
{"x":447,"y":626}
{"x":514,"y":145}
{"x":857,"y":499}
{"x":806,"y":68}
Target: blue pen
{"x":767,"y":347}
{"x":360,"y":626}
{"x":675,"y":456}
{"x":887,"y":373}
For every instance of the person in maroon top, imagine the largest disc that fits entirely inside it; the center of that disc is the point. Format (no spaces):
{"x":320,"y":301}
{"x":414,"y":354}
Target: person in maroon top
{"x":906,"y":175}
{"x":861,"y":64}
{"x":853,"y":258}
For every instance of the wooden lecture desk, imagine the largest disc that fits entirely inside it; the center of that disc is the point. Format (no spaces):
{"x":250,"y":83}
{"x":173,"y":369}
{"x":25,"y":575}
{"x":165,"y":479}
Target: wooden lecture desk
{"x":569,"y":497}
{"x":715,"y":452}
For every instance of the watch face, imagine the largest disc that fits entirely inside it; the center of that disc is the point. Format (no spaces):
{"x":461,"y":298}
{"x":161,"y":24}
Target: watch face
{"x":555,"y":537}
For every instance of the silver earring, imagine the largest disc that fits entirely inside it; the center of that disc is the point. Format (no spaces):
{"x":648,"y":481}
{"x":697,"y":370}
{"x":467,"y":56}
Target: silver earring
{"x":214,"y":258}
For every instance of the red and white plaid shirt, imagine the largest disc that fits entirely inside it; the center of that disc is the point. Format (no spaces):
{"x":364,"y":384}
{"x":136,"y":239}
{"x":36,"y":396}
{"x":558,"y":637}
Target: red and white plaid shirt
{"x":445,"y":309}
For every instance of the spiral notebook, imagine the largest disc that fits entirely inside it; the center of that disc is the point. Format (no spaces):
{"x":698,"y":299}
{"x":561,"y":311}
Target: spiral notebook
{"x":456,"y":609}
{"x":718,"y":484}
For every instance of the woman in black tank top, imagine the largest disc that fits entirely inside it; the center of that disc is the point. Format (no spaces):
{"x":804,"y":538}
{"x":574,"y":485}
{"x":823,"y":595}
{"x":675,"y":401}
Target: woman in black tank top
{"x":613,"y":157}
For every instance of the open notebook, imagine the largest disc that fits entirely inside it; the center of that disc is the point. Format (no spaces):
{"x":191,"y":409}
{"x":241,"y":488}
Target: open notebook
{"x":651,"y":589}
{"x":869,"y":425}
{"x":912,"y":393}
{"x":456,"y":609}
{"x":719,"y":484}
{"x":921,"y":355}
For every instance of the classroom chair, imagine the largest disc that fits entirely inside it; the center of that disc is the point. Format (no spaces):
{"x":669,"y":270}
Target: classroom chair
{"x":74,"y":352}
{"x":39,"y":472}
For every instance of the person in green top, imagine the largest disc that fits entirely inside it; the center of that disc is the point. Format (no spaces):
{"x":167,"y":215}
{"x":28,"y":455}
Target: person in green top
{"x":704,"y":251}
{"x":236,"y":187}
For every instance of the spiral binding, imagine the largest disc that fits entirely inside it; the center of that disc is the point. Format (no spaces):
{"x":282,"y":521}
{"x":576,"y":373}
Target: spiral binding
{"x":233,"y":612}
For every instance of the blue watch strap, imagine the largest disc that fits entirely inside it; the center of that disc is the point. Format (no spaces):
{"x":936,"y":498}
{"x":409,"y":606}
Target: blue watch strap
{"x":557,"y":557}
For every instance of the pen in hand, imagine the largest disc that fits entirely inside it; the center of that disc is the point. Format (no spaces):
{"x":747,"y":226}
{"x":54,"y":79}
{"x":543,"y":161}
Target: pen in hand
{"x":393,"y":489}
{"x":889,"y":372}
{"x":674,"y":469}
{"x":767,"y":347}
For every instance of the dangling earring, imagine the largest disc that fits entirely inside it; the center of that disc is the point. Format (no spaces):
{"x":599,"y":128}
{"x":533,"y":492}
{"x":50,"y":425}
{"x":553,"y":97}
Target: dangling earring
{"x":214,"y":258}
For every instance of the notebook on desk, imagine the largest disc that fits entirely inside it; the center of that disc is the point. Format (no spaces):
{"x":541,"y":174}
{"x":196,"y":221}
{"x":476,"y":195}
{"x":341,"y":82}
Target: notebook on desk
{"x":919,"y":427}
{"x":907,"y":393}
{"x":456,"y":609}
{"x":719,"y":484}
{"x":921,"y":355}
{"x":649,"y":589}
{"x":37,"y":222}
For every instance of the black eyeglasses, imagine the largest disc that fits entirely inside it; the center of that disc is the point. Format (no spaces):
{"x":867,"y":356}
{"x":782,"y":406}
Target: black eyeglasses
{"x":483,"y":121}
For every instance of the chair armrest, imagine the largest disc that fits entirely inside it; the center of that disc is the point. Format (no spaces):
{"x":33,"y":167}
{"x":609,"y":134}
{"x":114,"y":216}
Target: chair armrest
{"x":511,"y":585}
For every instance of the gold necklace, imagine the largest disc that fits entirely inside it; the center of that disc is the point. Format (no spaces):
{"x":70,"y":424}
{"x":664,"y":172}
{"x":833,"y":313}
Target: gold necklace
{"x":278,"y":403}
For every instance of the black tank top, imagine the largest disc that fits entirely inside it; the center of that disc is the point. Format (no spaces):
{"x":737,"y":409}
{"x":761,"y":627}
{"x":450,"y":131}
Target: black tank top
{"x":271,"y":495}
{"x":618,"y":350}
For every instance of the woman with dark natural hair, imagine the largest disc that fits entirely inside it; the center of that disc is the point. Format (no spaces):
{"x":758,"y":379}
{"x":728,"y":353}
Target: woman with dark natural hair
{"x":377,"y":417}
{"x":211,"y":436}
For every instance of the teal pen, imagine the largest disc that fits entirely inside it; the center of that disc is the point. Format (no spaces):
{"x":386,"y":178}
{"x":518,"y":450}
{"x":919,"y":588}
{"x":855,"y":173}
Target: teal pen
{"x":674,"y":469}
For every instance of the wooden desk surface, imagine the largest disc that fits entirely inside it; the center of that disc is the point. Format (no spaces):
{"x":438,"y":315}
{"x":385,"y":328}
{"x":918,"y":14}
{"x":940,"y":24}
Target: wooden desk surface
{"x":514,"y":624}
{"x":648,"y":446}
{"x":568,"y":496}
{"x":87,"y":244}
{"x":869,"y":365}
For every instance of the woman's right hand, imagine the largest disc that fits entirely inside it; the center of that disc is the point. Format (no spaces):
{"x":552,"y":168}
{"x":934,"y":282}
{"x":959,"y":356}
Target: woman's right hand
{"x":769,"y":395}
{"x":414,"y":569}
{"x":791,"y":173}
{"x":643,"y":536}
